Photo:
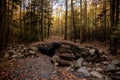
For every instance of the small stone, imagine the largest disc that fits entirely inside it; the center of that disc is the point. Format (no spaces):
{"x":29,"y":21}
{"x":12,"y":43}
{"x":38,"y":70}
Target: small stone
{"x":33,"y":48}
{"x":92,"y":51}
{"x":96,"y":75}
{"x":11,"y":52}
{"x":105,"y":63}
{"x":79,"y":62}
{"x":99,"y":69}
{"x":56,"y":64}
{"x":6,"y":55}
{"x":84,"y":63}
{"x":97,"y":64}
{"x":31,"y":52}
{"x":14,"y":56}
{"x":21,"y":56}
{"x":84,"y":71}
{"x":115,"y":62}
{"x":89,"y":69}
{"x":100,"y":51}
{"x":110,"y":67}
{"x":107,"y":78}
{"x":68,"y":69}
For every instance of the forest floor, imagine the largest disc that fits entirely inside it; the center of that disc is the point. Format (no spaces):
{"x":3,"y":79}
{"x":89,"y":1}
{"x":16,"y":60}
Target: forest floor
{"x":39,"y":66}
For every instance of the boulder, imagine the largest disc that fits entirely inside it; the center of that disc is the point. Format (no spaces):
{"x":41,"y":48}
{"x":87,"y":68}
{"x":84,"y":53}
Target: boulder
{"x":57,"y":59}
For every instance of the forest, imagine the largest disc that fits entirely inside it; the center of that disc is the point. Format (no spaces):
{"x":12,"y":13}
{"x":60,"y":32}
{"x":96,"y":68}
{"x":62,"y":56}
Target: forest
{"x":59,"y":39}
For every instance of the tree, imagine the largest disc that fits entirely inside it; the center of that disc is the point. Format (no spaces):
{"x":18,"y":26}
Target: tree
{"x":66,"y":15}
{"x":85,"y":21}
{"x":81,"y":29}
{"x":73,"y":20}
{"x":114,"y":5}
{"x":42,"y":20}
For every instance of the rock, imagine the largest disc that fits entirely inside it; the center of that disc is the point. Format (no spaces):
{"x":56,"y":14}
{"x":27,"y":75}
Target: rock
{"x":105,"y":63}
{"x":101,"y":52}
{"x":25,"y":49}
{"x":92,"y":51}
{"x":11,"y":52}
{"x":107,"y":78}
{"x":68,"y":57}
{"x":60,"y":61}
{"x":110,"y":67}
{"x":79,"y":62}
{"x":33,"y":48}
{"x":99,"y":69}
{"x":6,"y":56}
{"x":116,"y":75}
{"x":14,"y":56}
{"x":31,"y":52}
{"x":21,"y":56}
{"x":84,"y":63}
{"x":84,"y":71}
{"x":96,"y":75}
{"x":74,"y":66}
{"x":68,"y":69}
{"x":115,"y":62}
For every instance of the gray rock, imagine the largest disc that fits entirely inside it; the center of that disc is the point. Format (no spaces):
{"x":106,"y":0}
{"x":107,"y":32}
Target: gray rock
{"x":110,"y":67}
{"x":105,"y":63}
{"x":115,"y":62}
{"x":107,"y":78}
{"x":92,"y":51}
{"x":79,"y":62}
{"x":84,"y":71}
{"x":99,"y":69}
{"x":96,"y":75}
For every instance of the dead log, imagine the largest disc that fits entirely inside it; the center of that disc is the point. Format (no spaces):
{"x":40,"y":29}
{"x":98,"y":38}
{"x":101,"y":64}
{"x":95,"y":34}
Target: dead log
{"x":47,"y":50}
{"x":56,"y":44}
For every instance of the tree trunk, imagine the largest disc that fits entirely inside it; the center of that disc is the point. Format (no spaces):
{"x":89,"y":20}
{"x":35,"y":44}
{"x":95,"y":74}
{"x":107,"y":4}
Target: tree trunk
{"x":73,"y":20}
{"x":42,"y":21}
{"x":104,"y":12}
{"x":66,"y":14}
{"x":113,"y":43}
{"x":81,"y":27}
{"x":85,"y":21}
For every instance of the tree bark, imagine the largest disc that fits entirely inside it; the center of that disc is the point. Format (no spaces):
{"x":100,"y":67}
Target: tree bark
{"x":66,"y":14}
{"x":81,"y":27}
{"x":73,"y":20}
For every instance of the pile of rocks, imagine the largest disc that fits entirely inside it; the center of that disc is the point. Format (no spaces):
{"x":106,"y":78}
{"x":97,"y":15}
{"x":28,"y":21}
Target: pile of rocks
{"x":20,"y":51}
{"x":89,"y":61}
